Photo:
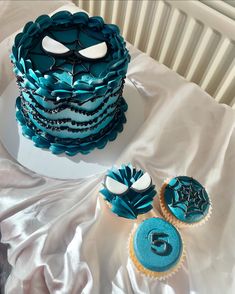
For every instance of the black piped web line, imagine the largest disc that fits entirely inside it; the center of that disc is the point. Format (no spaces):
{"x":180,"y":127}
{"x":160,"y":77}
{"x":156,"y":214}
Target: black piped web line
{"x":193,"y":200}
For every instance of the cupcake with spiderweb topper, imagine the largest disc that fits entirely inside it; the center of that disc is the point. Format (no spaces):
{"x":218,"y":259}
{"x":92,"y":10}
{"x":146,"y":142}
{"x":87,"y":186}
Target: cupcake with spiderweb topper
{"x":184,"y":202}
{"x":128,"y":191}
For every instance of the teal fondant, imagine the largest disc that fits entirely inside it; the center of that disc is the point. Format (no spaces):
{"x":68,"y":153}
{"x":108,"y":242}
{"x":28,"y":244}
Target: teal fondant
{"x":132,"y":202}
{"x":73,"y":115}
{"x":62,"y":94}
{"x":71,"y":110}
{"x":157,"y":245}
{"x":186,"y":199}
{"x":70,"y":147}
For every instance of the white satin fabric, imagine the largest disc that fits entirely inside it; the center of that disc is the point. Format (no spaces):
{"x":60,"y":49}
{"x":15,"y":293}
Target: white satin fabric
{"x":62,"y":237}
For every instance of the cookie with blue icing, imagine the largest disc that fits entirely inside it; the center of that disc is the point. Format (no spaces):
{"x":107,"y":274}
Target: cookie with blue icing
{"x":128,"y":191}
{"x":184,"y":201}
{"x":70,"y":69}
{"x":156,"y":248}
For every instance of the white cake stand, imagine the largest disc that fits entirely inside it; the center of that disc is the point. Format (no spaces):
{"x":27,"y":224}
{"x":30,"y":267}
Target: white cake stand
{"x":62,"y":166}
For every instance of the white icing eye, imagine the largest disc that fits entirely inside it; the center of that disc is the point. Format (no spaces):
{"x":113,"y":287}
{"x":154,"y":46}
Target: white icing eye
{"x":53,"y":46}
{"x":114,"y":186}
{"x":142,"y":183}
{"x":95,"y":51}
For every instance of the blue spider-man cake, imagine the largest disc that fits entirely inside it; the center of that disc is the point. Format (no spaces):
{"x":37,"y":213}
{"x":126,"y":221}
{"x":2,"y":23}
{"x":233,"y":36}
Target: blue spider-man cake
{"x":70,"y":69}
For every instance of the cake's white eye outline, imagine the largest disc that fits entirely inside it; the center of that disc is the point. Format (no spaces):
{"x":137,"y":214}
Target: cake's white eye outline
{"x":114,"y":186}
{"x":52,"y":46}
{"x":142,"y":184}
{"x":94,"y":52}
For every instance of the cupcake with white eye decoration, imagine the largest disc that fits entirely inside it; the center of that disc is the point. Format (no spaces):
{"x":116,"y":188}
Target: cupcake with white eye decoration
{"x":128,"y":191}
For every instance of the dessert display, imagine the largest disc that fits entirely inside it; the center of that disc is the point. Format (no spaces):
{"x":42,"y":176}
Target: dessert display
{"x":70,"y":69}
{"x":128,"y":191}
{"x":156,"y":248}
{"x":184,"y":202}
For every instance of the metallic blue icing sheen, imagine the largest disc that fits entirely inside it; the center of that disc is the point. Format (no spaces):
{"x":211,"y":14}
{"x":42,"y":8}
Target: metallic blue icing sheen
{"x":69,"y":87}
{"x":67,"y":133}
{"x":186,"y":199}
{"x":157,"y":245}
{"x":70,"y":113}
{"x":73,"y":148}
{"x":89,"y":105}
{"x":132,"y":203}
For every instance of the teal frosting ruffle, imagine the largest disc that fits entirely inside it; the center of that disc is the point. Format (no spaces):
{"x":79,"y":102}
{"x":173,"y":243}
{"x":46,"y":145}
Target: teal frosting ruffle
{"x":132,"y":203}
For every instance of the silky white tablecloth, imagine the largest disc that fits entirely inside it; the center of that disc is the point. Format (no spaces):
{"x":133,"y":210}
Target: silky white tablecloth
{"x":63,"y":239}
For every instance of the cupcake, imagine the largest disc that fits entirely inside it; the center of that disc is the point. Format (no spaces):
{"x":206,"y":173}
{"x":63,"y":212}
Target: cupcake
{"x":156,"y":248}
{"x":184,"y":202}
{"x":128,"y":191}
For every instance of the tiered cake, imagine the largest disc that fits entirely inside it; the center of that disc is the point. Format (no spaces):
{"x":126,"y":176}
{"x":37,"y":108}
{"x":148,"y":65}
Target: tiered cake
{"x":70,"y":69}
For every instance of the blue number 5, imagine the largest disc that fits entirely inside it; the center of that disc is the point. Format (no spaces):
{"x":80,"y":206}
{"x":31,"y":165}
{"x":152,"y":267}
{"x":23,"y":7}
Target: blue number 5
{"x":160,"y":246}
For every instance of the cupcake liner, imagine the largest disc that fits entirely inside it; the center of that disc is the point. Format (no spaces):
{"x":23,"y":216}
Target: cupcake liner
{"x":142,"y":217}
{"x":146,"y":272}
{"x":171,"y":218}
{"x":108,"y":205}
